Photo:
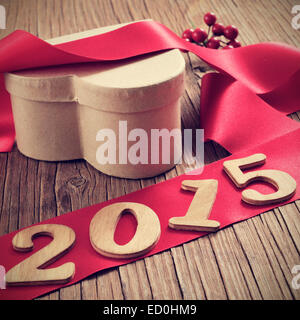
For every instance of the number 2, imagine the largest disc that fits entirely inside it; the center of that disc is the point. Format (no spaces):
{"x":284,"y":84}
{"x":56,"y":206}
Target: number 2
{"x":28,"y":271}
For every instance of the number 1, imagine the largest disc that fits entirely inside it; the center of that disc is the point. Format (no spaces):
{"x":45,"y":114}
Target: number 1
{"x":197,"y":216}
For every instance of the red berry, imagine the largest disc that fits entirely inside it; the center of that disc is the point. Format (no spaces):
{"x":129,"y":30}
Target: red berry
{"x":213,"y":43}
{"x":210,"y":18}
{"x":235,"y":44}
{"x":231,"y":32}
{"x":199,"y":35}
{"x":218,"y":29}
{"x":187,"y":34}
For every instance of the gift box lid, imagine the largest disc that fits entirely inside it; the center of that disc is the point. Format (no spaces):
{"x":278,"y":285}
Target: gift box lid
{"x":129,"y":85}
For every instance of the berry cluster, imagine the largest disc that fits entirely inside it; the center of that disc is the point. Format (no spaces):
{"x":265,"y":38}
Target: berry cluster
{"x":201,"y":37}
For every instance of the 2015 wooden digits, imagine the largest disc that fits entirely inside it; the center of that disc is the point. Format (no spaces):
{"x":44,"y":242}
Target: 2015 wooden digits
{"x":285,"y":184}
{"x":200,"y":207}
{"x":28,"y":272}
{"x":103,"y":224}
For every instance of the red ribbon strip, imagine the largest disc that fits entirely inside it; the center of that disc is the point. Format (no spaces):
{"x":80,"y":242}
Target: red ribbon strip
{"x":237,"y":118}
{"x":167,"y":200}
{"x":235,"y":111}
{"x":269,"y":69}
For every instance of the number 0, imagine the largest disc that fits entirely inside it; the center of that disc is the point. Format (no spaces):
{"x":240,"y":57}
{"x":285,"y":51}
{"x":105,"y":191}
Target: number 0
{"x":103,"y":225}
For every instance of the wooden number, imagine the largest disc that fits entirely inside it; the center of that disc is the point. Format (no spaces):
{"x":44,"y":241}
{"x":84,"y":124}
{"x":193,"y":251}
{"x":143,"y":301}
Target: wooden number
{"x":200,"y":207}
{"x":29,"y":271}
{"x":282,"y":181}
{"x":103,"y":225}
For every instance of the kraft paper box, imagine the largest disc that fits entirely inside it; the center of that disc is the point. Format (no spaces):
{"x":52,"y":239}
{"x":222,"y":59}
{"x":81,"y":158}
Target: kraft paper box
{"x":59,"y":111}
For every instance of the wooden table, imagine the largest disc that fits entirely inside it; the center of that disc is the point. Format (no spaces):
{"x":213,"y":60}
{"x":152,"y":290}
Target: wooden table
{"x":249,"y":260}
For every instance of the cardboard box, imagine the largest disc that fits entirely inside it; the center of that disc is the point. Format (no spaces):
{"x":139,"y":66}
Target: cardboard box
{"x":59,"y":111}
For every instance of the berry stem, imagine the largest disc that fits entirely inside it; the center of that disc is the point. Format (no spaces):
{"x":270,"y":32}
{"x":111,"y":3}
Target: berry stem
{"x":208,"y":32}
{"x":224,"y":42}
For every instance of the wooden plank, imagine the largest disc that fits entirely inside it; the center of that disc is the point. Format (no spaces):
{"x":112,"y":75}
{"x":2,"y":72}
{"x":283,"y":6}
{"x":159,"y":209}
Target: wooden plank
{"x":109,"y":285}
{"x":162,"y":277}
{"x":190,"y":289}
{"x":260,"y":259}
{"x":232,"y":262}
{"x":204,"y":269}
{"x":282,"y":246}
{"x":134,"y":281}
{"x":291,"y":217}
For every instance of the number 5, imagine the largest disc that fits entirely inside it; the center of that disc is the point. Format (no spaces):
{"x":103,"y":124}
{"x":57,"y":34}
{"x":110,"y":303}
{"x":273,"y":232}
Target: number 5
{"x":282,"y":181}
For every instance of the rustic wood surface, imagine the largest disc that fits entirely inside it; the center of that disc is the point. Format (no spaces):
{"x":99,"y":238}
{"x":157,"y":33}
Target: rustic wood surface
{"x":249,"y":260}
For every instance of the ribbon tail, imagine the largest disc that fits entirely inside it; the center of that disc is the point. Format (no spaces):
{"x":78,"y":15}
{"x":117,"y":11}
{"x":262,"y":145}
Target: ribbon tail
{"x":7,"y":128}
{"x":235,"y":117}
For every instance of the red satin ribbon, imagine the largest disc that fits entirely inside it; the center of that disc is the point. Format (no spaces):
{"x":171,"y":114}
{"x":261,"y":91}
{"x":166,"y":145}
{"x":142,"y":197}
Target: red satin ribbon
{"x":237,"y":118}
{"x":269,"y":69}
{"x":235,"y":111}
{"x":167,"y":200}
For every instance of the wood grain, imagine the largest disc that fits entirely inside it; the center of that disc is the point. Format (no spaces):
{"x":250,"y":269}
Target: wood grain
{"x":249,"y":260}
